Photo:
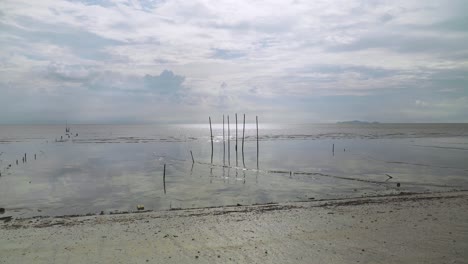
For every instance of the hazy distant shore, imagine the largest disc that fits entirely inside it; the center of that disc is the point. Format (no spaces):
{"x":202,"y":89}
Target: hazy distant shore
{"x":358,"y":122}
{"x":418,"y":228}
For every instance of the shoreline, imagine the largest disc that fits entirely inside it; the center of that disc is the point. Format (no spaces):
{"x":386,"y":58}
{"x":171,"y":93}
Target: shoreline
{"x":404,"y":228}
{"x":379,"y":198}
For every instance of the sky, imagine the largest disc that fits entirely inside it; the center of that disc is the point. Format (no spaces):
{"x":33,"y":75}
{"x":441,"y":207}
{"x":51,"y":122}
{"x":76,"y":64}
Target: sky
{"x":177,"y":61}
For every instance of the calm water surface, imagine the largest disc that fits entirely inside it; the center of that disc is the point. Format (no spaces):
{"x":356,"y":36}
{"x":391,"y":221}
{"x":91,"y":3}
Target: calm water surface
{"x":114,"y":168}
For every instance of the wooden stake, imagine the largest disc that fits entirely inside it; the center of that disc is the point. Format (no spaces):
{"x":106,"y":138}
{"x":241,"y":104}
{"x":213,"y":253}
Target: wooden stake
{"x":243,"y":135}
{"x":256,"y":118}
{"x":191,"y":154}
{"x":237,"y":164}
{"x":211,"y":132}
{"x":164,"y":178}
{"x":229,"y":142}
{"x":224,"y":146}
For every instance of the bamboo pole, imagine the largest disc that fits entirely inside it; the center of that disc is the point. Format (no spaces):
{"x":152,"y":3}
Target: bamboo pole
{"x":243,"y":136}
{"x":237,"y":164}
{"x":164,"y":178}
{"x":211,"y":133}
{"x":224,"y":145}
{"x":256,"y":119}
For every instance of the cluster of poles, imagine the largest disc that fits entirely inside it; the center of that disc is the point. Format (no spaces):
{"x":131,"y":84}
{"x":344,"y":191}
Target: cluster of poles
{"x":229,"y":141}
{"x":68,"y":133}
{"x":24,"y":160}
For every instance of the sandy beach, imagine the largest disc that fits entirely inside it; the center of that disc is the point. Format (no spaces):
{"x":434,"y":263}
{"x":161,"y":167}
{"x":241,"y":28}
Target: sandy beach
{"x":405,"y":228}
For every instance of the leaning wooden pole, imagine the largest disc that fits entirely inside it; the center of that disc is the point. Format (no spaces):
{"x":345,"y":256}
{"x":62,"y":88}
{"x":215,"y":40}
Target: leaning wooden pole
{"x":256,"y":119}
{"x":243,"y":136}
{"x":191,"y":154}
{"x":211,"y":133}
{"x":164,"y":178}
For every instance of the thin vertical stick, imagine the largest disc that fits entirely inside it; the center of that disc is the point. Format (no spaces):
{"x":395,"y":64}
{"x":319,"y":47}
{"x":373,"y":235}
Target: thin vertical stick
{"x":224,"y":146}
{"x":211,"y":174}
{"x":164,"y":178}
{"x":34,"y":156}
{"x":333,"y":149}
{"x":256,"y":118}
{"x":229,"y":142}
{"x":211,"y":133}
{"x":243,"y":172}
{"x":224,"y":174}
{"x":193,"y":161}
{"x":243,"y":135}
{"x":25,"y":160}
{"x":237,"y":164}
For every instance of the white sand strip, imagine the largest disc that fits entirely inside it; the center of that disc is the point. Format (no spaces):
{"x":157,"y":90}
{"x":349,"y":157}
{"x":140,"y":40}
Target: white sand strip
{"x":429,"y":228}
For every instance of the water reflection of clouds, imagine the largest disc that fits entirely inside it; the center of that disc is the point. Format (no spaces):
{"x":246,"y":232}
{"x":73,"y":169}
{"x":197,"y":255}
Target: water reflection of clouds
{"x":83,"y":178}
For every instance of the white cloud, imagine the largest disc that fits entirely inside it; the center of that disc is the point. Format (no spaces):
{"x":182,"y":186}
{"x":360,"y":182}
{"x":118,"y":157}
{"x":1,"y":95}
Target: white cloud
{"x":263,"y":50}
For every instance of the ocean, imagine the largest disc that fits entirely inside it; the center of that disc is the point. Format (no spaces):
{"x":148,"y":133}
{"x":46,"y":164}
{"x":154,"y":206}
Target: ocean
{"x":113,"y":168}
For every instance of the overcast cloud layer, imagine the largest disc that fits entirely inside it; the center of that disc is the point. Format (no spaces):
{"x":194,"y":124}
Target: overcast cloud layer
{"x":180,"y":61}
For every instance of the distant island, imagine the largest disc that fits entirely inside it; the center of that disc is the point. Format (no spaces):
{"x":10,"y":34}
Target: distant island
{"x":357,"y":122}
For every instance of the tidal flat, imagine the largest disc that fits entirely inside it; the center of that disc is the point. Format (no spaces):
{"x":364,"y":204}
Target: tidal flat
{"x":102,"y":168}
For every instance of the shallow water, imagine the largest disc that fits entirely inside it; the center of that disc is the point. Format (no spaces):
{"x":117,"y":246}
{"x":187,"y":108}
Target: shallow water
{"x":108,"y":168}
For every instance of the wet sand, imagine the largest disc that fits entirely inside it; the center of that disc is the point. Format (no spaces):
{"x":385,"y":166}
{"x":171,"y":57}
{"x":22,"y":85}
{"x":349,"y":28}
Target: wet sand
{"x":419,"y":228}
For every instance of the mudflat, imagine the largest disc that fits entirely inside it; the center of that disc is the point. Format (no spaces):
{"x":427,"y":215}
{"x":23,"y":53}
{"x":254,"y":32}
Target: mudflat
{"x":405,"y":228}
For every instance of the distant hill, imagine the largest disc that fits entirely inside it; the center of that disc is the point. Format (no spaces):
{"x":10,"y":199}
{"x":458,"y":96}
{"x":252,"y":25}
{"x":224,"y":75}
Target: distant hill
{"x":357,"y":122}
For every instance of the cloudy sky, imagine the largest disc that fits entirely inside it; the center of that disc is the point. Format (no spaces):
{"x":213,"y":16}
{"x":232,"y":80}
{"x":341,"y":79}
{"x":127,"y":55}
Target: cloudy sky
{"x":124,"y":61}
